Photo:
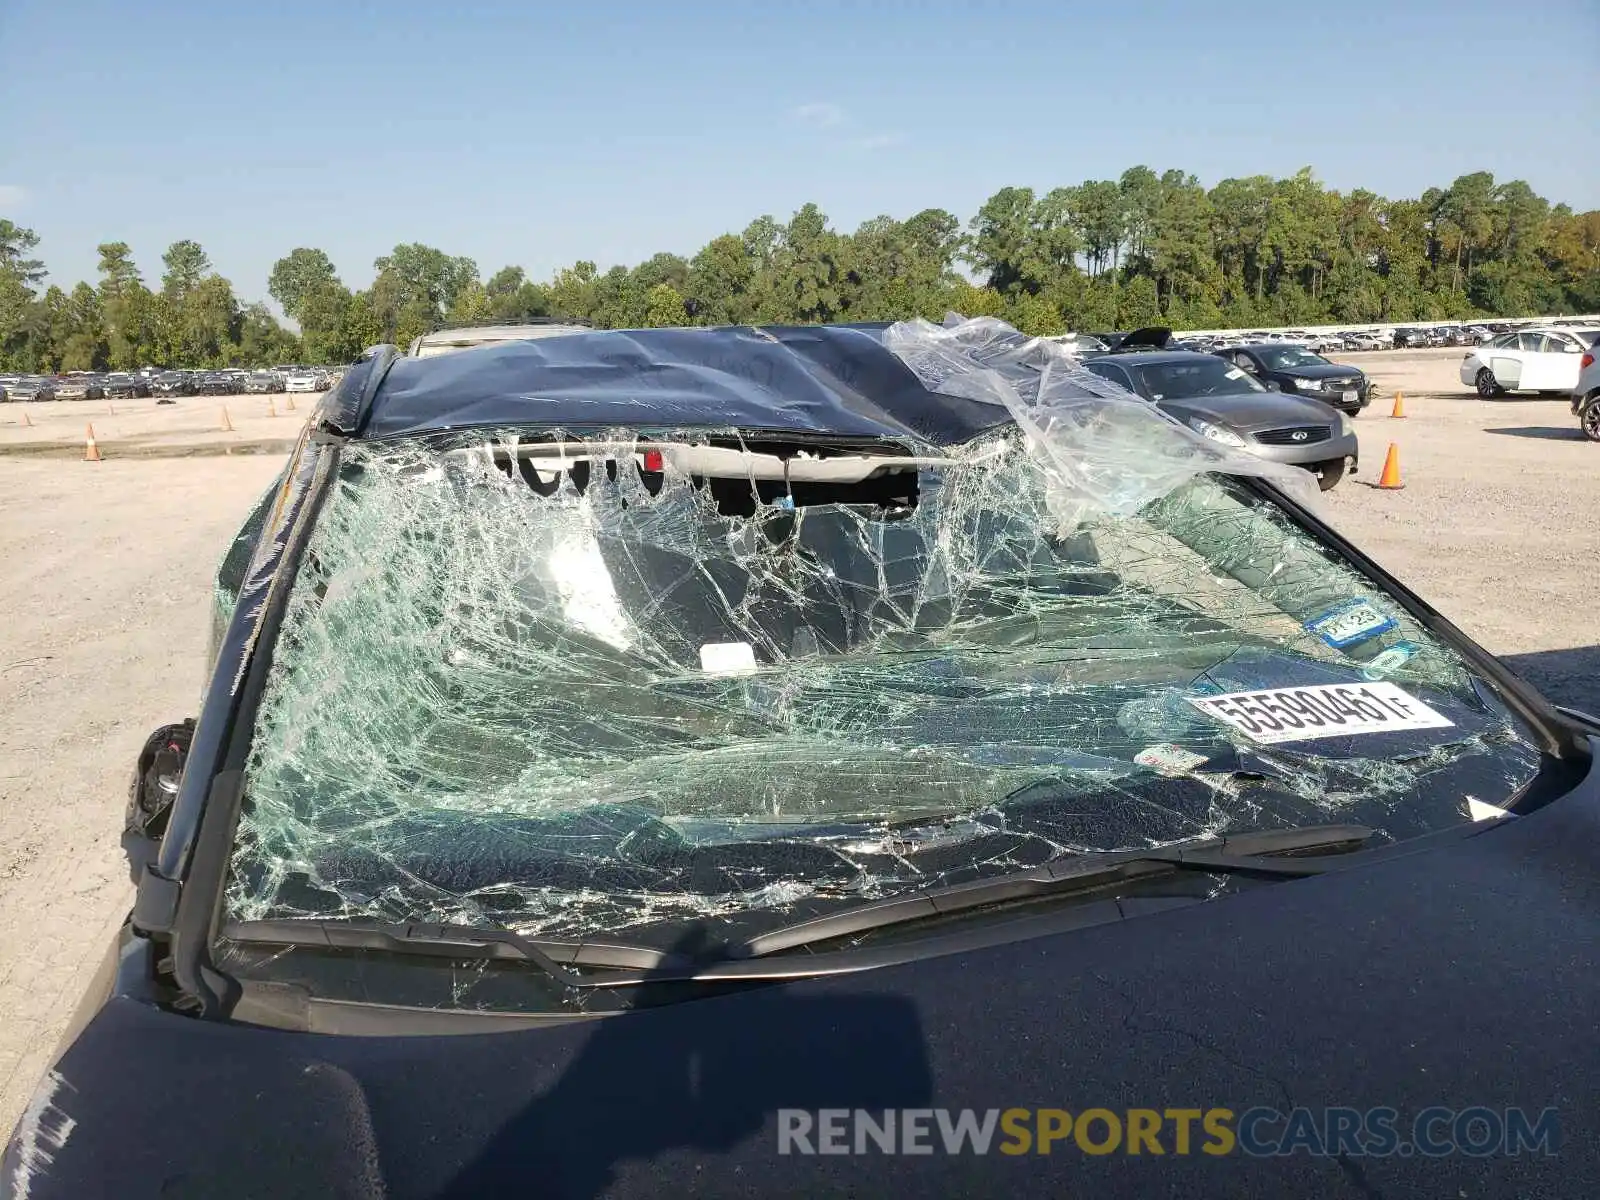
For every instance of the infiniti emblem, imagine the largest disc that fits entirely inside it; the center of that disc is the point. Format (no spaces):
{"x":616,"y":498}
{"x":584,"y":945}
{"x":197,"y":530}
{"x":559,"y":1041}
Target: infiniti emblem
{"x":1299,"y":435}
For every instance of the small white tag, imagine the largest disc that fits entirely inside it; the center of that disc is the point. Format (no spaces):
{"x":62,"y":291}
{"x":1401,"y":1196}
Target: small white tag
{"x":1479,"y":811}
{"x":1167,"y":759}
{"x":727,"y":658}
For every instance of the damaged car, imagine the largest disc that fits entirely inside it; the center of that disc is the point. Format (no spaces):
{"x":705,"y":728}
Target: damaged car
{"x":627,"y":748}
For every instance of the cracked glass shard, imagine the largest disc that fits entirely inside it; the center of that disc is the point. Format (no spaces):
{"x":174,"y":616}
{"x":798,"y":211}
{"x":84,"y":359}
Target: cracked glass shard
{"x":492,"y":700}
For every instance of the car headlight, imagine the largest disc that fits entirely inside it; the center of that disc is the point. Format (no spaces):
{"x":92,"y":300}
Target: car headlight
{"x":1308,"y":385}
{"x":1215,"y":433}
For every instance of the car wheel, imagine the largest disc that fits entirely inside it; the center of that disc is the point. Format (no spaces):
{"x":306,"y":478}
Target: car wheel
{"x":1589,"y":419}
{"x":1329,"y":474}
{"x":1488,"y":387}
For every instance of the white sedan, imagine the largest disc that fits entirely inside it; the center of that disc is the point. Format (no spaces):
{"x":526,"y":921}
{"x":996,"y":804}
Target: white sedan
{"x":1528,"y":360}
{"x":305,"y":381}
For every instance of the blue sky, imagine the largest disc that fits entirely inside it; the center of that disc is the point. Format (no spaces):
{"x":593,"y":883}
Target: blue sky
{"x":541,"y":133}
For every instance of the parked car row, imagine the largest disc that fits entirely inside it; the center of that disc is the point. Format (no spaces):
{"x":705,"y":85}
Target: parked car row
{"x":120,"y":385}
{"x":1335,"y":341}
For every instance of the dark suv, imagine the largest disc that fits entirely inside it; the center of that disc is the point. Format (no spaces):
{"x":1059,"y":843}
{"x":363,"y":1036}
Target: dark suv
{"x":632,"y":759}
{"x":1296,"y":369}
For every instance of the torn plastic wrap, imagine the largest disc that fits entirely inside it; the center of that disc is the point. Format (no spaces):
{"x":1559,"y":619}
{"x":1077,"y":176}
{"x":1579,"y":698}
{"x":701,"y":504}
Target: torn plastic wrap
{"x":1101,"y":448}
{"x":591,"y":700}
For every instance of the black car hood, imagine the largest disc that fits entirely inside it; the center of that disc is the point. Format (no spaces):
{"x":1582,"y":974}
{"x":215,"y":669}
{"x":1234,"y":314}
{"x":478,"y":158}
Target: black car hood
{"x":1459,"y":975}
{"x":1326,"y":371}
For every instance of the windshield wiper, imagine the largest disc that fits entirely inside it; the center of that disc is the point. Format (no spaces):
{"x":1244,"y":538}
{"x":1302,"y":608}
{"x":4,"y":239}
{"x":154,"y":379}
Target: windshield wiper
{"x":1272,"y":853}
{"x":462,"y":942}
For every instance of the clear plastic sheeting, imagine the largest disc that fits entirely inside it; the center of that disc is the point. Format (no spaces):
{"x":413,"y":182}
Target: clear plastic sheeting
{"x":1100,"y":447}
{"x":592,"y":699}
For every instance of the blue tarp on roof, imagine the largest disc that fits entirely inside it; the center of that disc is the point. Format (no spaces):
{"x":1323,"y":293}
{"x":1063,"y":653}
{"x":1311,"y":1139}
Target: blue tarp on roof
{"x":836,"y":381}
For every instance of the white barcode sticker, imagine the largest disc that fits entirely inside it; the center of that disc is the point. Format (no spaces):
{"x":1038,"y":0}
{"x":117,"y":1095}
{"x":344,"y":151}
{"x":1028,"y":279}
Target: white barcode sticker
{"x":1299,"y":714}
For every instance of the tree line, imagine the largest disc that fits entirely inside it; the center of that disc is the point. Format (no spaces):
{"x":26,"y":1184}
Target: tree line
{"x":1143,"y":249}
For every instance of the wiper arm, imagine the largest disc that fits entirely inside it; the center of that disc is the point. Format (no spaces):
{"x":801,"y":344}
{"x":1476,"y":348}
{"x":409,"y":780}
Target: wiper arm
{"x":554,"y":958}
{"x":1273,"y":853}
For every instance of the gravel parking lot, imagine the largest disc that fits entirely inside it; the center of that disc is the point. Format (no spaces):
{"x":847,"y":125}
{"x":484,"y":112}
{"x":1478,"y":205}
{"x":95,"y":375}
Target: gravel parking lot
{"x":107,"y":601}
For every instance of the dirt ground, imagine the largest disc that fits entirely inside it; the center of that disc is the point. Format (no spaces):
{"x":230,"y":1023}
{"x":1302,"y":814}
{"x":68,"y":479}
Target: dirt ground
{"x":106,"y":601}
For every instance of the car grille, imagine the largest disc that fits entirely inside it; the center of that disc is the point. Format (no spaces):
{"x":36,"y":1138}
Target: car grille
{"x":1294,"y":435}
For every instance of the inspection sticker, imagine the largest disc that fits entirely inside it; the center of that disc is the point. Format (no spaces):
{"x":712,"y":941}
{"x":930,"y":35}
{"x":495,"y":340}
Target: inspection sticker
{"x":1391,"y":660}
{"x":1351,"y":622}
{"x":1298,"y":714}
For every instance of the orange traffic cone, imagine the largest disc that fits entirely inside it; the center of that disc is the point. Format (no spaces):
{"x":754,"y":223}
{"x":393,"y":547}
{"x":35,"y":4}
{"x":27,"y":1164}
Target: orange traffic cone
{"x":111,"y":409}
{"x":272,"y":409}
{"x":91,"y":452}
{"x":227,"y":421}
{"x":26,"y":419}
{"x":1391,"y":469}
{"x":1399,"y":405}
{"x":288,"y":402}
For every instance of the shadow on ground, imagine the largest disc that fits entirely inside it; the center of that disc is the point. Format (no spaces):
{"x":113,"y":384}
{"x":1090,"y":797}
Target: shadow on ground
{"x":1570,"y":677}
{"x":1553,"y":433}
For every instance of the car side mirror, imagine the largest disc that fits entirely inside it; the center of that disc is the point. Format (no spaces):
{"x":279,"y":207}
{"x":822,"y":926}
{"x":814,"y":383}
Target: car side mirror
{"x":156,"y":778}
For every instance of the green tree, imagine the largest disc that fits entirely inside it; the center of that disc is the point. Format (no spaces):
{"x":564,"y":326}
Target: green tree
{"x":808,"y":272}
{"x":262,"y":341}
{"x":664,"y":307}
{"x":82,"y":337}
{"x":126,"y":305}
{"x":472,"y":307}
{"x":322,"y":314}
{"x":1099,"y":217}
{"x":24,"y":333}
{"x":1463,"y":220}
{"x":1002,"y":234}
{"x":1140,"y":188}
{"x":186,"y":265}
{"x":415,"y":286}
{"x":1035,"y":315}
{"x":1180,"y":249}
{"x":513,"y":299}
{"x":297,"y":274}
{"x":360,"y":328}
{"x":717,"y":291}
{"x":1138,"y":305}
{"x":208,"y":322}
{"x":1149,"y":247}
{"x":572,"y":292}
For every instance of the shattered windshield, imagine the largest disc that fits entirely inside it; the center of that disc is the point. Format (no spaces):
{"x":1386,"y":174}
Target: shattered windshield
{"x":608,"y":696}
